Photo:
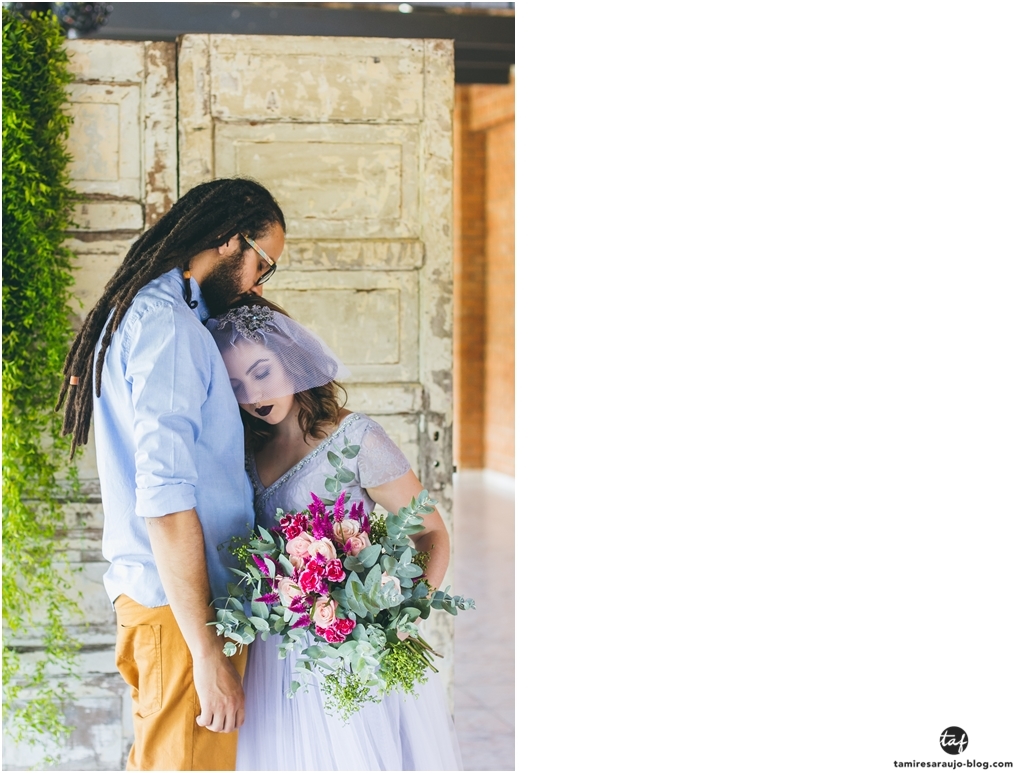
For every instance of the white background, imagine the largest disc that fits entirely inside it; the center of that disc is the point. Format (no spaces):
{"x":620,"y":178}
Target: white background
{"x":770,"y":387}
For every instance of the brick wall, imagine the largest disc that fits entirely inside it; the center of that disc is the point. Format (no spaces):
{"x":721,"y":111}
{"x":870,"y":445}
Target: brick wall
{"x":484,"y":369}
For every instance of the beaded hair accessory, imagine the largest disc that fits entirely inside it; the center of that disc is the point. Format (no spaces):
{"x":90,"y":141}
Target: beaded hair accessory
{"x":249,"y":321}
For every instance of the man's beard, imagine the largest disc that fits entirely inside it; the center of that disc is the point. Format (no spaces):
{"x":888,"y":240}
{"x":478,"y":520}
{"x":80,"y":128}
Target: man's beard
{"x":223,"y":284}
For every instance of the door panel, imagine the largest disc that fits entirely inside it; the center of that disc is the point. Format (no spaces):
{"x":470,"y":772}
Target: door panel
{"x":354,"y":138}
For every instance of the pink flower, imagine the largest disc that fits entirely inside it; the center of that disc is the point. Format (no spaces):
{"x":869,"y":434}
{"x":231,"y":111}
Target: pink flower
{"x":330,"y":634}
{"x":292,"y":525}
{"x":335,"y":570}
{"x":346,"y":530}
{"x":323,"y":547}
{"x":288,"y":589}
{"x":358,"y":543}
{"x":296,"y":562}
{"x":298,"y":546}
{"x":323,"y":611}
{"x":317,"y":564}
{"x":337,"y":632}
{"x":311,"y":580}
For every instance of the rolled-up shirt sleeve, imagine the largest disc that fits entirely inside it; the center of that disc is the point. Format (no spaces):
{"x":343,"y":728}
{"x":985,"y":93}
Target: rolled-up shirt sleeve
{"x":169,"y":381}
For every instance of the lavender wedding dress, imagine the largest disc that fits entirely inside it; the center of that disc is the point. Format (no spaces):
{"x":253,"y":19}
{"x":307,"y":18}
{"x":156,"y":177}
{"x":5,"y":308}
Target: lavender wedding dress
{"x":401,"y":732}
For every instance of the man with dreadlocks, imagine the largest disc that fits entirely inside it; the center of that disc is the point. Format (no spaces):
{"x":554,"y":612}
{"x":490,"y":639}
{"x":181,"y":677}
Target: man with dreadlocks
{"x":169,"y":448}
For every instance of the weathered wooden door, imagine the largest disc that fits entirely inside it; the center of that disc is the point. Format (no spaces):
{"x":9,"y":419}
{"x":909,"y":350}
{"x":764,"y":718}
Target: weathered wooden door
{"x":354,"y":138}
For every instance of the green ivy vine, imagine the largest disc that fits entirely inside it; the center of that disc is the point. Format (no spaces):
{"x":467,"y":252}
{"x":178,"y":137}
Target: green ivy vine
{"x":38,"y":476}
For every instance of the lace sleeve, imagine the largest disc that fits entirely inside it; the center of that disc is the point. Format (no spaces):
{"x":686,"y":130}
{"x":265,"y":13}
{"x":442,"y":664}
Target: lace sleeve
{"x":380,"y":460}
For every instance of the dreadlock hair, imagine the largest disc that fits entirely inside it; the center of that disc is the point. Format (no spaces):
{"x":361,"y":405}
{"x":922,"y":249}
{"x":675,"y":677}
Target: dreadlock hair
{"x":319,"y":408}
{"x":206,"y":217}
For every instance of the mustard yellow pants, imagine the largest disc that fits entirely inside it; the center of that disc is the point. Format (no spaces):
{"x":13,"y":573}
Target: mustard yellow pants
{"x":154,"y":660}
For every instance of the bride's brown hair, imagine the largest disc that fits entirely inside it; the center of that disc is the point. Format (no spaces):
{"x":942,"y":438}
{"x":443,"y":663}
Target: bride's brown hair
{"x":319,"y":408}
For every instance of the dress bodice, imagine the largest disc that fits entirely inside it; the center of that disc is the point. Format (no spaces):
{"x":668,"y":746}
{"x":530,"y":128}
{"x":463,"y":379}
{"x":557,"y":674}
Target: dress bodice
{"x":378,"y":461}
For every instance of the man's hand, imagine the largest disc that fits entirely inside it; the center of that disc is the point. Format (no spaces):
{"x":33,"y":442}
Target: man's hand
{"x":220,"y":694}
{"x":218,"y":685}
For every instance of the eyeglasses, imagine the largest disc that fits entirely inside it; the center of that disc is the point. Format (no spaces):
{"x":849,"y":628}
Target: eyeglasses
{"x":273,"y":266}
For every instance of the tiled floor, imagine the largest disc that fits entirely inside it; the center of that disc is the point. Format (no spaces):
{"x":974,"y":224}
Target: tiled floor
{"x":485,"y":636}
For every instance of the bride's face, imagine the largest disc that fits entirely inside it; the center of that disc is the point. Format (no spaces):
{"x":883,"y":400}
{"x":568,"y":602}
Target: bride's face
{"x":261,"y":384}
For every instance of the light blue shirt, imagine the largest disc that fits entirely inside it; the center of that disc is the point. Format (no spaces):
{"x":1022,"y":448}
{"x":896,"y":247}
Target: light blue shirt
{"x":168,"y":438}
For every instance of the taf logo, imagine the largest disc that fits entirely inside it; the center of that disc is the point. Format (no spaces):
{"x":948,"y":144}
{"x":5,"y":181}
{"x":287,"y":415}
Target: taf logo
{"x":953,"y":740}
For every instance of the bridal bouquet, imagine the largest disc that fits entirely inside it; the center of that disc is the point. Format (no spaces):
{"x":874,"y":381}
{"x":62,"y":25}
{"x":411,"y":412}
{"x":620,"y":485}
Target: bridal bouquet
{"x":345,"y":589}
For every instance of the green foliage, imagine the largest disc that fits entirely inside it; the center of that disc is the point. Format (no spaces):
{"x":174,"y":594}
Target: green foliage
{"x":336,"y":482}
{"x":37,"y":474}
{"x":347,"y":693}
{"x":383,"y":594}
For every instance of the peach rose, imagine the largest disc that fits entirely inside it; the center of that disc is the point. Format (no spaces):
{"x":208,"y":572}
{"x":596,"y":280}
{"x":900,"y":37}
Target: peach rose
{"x":323,"y":547}
{"x":288,"y":589}
{"x":357,"y":544}
{"x":323,"y":611}
{"x":296,"y":562}
{"x":299,"y":546}
{"x":345,"y":530}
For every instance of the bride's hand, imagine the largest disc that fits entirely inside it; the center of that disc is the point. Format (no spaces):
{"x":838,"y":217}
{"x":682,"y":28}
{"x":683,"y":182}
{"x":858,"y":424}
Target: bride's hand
{"x":402,"y":635}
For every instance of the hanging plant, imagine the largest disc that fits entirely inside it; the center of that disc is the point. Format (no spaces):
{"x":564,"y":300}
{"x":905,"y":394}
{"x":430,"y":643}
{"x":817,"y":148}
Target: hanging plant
{"x":37,"y":474}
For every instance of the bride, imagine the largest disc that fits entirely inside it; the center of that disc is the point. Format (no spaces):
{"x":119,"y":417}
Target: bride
{"x":285,"y":380}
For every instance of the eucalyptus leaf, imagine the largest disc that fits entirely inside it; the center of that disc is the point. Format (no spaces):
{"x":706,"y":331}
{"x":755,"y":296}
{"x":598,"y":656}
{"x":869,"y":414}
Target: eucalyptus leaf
{"x":369,"y":555}
{"x":334,"y":459}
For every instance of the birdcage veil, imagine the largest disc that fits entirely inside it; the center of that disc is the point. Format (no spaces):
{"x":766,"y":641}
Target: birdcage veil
{"x":269,"y":355}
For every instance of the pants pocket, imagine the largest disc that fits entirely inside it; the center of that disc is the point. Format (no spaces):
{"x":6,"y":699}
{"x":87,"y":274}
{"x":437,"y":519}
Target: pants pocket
{"x":137,"y":657}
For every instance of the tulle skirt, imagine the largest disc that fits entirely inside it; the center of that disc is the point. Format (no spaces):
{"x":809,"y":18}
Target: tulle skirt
{"x":401,"y":732}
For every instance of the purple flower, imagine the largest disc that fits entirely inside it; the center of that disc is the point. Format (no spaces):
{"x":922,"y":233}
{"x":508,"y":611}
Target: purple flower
{"x":269,"y":598}
{"x":316,"y":507}
{"x":321,"y":526}
{"x":339,"y":508}
{"x":261,"y":564}
{"x":302,"y":622}
{"x":359,"y":513}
